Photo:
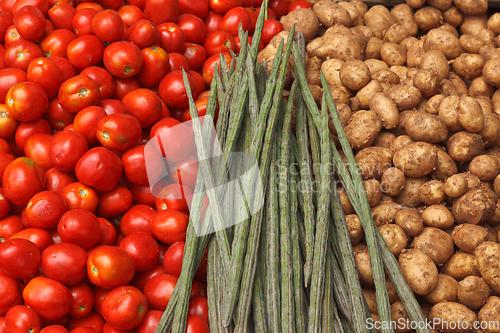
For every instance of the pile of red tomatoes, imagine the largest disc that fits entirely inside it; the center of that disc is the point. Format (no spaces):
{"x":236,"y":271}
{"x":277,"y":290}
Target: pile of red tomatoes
{"x":85,"y":246}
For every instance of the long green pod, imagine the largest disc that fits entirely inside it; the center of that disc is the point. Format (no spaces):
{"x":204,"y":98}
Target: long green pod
{"x":213,"y":290}
{"x":259,"y":25}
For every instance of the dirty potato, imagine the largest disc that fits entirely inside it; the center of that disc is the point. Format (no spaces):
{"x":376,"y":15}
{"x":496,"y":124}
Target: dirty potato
{"x":448,"y":314}
{"x":475,"y":206}
{"x":435,"y":243}
{"x":416,"y":159}
{"x":446,"y":290}
{"x":419,"y":271}
{"x":485,"y":167}
{"x":468,"y":236}
{"x":460,"y":266}
{"x":490,"y":313}
{"x":473,"y":292}
{"x":470,"y":114}
{"x":488,"y":257}
{"x":409,"y":194}
{"x":438,"y":216}
{"x":421,"y":126}
{"x":356,"y":232}
{"x":432,"y":192}
{"x":373,"y":161}
{"x":395,"y":237}
{"x":435,"y":59}
{"x":354,"y":74}
{"x":410,"y":221}
{"x":444,"y":41}
{"x":362,"y":129}
{"x":392,"y":181}
{"x":455,"y":186}
{"x":469,"y":65}
{"x":464,"y":146}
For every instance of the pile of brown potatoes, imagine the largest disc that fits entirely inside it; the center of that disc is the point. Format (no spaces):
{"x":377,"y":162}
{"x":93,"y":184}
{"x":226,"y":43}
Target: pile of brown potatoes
{"x":417,"y":90}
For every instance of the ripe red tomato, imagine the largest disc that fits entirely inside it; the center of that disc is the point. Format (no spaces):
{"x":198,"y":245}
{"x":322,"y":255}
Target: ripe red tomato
{"x":150,"y":322}
{"x":142,"y":33}
{"x":108,"y":232}
{"x":19,"y":258}
{"x":66,"y":150}
{"x":49,"y":298}
{"x":20,"y":318}
{"x":123,"y":86}
{"x":138,"y":218}
{"x":42,"y":5}
{"x":80,"y":196}
{"x":115,"y":202}
{"x":5,"y":22}
{"x":212,"y":21}
{"x":279,"y":7}
{"x":298,"y":4}
{"x":161,"y":11}
{"x":78,"y":92}
{"x":39,"y":237}
{"x":20,"y":54}
{"x":154,"y":66}
{"x":122,"y":59}
{"x":124,"y":307}
{"x":142,"y":194}
{"x":82,"y":22}
{"x":26,"y":101}
{"x":55,"y":44}
{"x":143,"y":249}
{"x":110,"y":267}
{"x":5,"y":204}
{"x":223,"y":6}
{"x":177,"y":61}
{"x":118,"y":131}
{"x":29,"y":22}
{"x":144,"y":105}
{"x":238,"y":43}
{"x":175,"y":140}
{"x":10,"y":225}
{"x":56,"y":180}
{"x":141,"y":278}
{"x":172,"y":37}
{"x":199,"y":306}
{"x":65,"y":65}
{"x":159,"y":289}
{"x":103,"y":79}
{"x":170,"y":226}
{"x":195,"y":55}
{"x":10,"y":293}
{"x":79,"y":227}
{"x":62,"y":14}
{"x":134,"y":165}
{"x":219,"y":42}
{"x":65,"y":263}
{"x":12,"y":36}
{"x":232,"y":19}
{"x":193,"y":27}
{"x":99,"y":168}
{"x":22,"y":179}
{"x":57,"y":116}
{"x":92,"y":320}
{"x":196,"y":324}
{"x":186,"y":172}
{"x":198,"y":8}
{"x":172,"y":90}
{"x":93,"y":5}
{"x":108,"y":26}
{"x":9,"y":77}
{"x":37,"y":149}
{"x":45,"y":209}
{"x":86,"y":122}
{"x":54,"y":329}
{"x":208,"y":66}
{"x":27,"y":129}
{"x":172,"y":262}
{"x":130,"y":14}
{"x":271,"y":28}
{"x":82,"y":297}
{"x":85,"y":51}
{"x":8,"y":125}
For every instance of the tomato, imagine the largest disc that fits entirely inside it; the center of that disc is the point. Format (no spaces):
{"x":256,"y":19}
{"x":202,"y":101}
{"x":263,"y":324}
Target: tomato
{"x":103,"y":79}
{"x":21,"y":53}
{"x":56,"y":43}
{"x":279,"y":7}
{"x":99,"y":296}
{"x":199,"y":307}
{"x":108,"y":232}
{"x":138,"y":218}
{"x":27,"y":129}
{"x":85,"y":51}
{"x":143,"y":249}
{"x":142,"y":33}
{"x":99,"y":168}
{"x":56,"y":180}
{"x":66,"y":150}
{"x":5,"y":204}
{"x":12,"y":36}
{"x":62,"y":14}
{"x":150,"y":322}
{"x":65,"y":65}
{"x":54,"y":329}
{"x":141,"y":278}
{"x":9,"y":226}
{"x":49,"y":298}
{"x":37,"y":149}
{"x":154,"y":66}
{"x":82,"y":299}
{"x":86,"y":122}
{"x":45,"y":209}
{"x":108,"y":26}
{"x":298,"y":4}
{"x":57,"y":116}
{"x":115,"y":202}
{"x":196,"y":324}
{"x":20,"y":319}
{"x":232,"y":19}
{"x":82,"y":22}
{"x":110,"y":267}
{"x":177,"y":61}
{"x":172,"y":91}
{"x":170,"y":226}
{"x":219,"y":42}
{"x":238,"y":44}
{"x":93,"y":5}
{"x":39,"y":237}
{"x":193,"y":27}
{"x":159,"y":289}
{"x":8,"y":125}
{"x":130,"y":14}
{"x":118,"y":131}
{"x":79,"y":227}
{"x":92,"y":320}
{"x":112,"y":4}
{"x":19,"y":258}
{"x":122,"y":59}
{"x":80,"y":196}
{"x":208,"y":66}
{"x":212,"y":21}
{"x":223,"y":6}
{"x":78,"y":92}
{"x":142,"y":194}
{"x":6,"y":20}
{"x":195,"y":55}
{"x":161,"y":11}
{"x":186,"y":172}
{"x":26,"y":101}
{"x":65,"y":263}
{"x":22,"y":179}
{"x":271,"y":28}
{"x":172,"y":262}
{"x":172,"y":37}
{"x":175,"y":140}
{"x":124,"y":307}
{"x":134,"y":165}
{"x":10,"y":293}
{"x":8,"y":78}
{"x":30,"y":23}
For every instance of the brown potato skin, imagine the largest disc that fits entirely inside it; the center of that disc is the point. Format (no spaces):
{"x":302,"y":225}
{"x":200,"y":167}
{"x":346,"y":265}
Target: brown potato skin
{"x":409,"y":194}
{"x":362,"y":129}
{"x":472,"y":7}
{"x":435,"y":243}
{"x":490,"y":313}
{"x":475,"y":206}
{"x":473,"y":292}
{"x":469,"y":65}
{"x":455,"y":186}
{"x":428,"y":18}
{"x":438,"y":216}
{"x":354,"y":74}
{"x":461,"y":265}
{"x":399,"y":315}
{"x":485,"y":167}
{"x":468,"y":236}
{"x":305,"y":21}
{"x":416,"y":159}
{"x":444,"y":41}
{"x":419,"y":271}
{"x":452,"y":312}
{"x":488,"y":257}
{"x":373,"y":161}
{"x":446,"y":290}
{"x":410,"y":221}
{"x":453,"y":16}
{"x":395,"y":237}
{"x":422,"y":126}
{"x":384,"y":213}
{"x":392,"y":181}
{"x":356,"y":232}
{"x":464,"y":146}
{"x":446,"y":166}
{"x":432,"y":192}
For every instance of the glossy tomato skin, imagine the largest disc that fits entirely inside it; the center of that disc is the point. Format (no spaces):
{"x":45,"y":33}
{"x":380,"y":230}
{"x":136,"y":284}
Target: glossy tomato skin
{"x":65,"y":263}
{"x":10,"y":293}
{"x":56,"y":180}
{"x":108,"y":26}
{"x":39,"y":237}
{"x":125,"y":307}
{"x":19,"y":258}
{"x":78,"y":92}
{"x":8,"y":124}
{"x":161,"y":11}
{"x":219,"y":42}
{"x":8,"y":78}
{"x":186,"y":172}
{"x":85,"y":51}
{"x":79,"y":227}
{"x":82,"y":297}
{"x":82,"y":21}
{"x":172,"y":131}
{"x":110,"y":267}
{"x":233,"y":17}
{"x":212,"y":21}
{"x":138,"y":219}
{"x":56,"y":43}
{"x":10,"y":225}
{"x":142,"y":194}
{"x":62,"y":14}
{"x":174,"y":196}
{"x":118,"y":131}
{"x":177,"y":61}
{"x":172,"y":262}
{"x":37,"y":149}
{"x":196,"y":324}
{"x":123,"y":86}
{"x":99,"y":168}
{"x":58,"y":117}
{"x":36,"y":296}
{"x":298,"y":4}
{"x":108,"y":232}
{"x":80,"y":196}
{"x":141,"y":278}
{"x":86,"y":122}
{"x":144,"y":105}
{"x":159,"y":289}
{"x":238,"y":44}
{"x":45,"y":209}
{"x":12,"y":36}
{"x":22,"y":179}
{"x":134,"y":165}
{"x":123,"y":59}
{"x":193,"y":27}
{"x":170,"y":226}
{"x":199,"y":8}
{"x":150,"y":322}
{"x":103,"y":79}
{"x":130,"y":14}
{"x":5,"y":204}
{"x":54,"y":329}
{"x":154,"y":66}
{"x":143,"y":33}
{"x":208,"y":66}
{"x":271,"y":28}
{"x":223,"y":6}
{"x":172,"y":37}
{"x":195,"y":55}
{"x":172,"y":90}
{"x":29,"y":22}
{"x":66,"y":150}
{"x":65,"y":65}
{"x":92,"y":320}
{"x":199,"y":82}
{"x":115,"y":202}
{"x":143,"y":249}
{"x":199,"y":306}
{"x":27,"y":129}
{"x":26,"y":101}
{"x":6,"y":20}
{"x":21,"y":53}
{"x":20,"y":318}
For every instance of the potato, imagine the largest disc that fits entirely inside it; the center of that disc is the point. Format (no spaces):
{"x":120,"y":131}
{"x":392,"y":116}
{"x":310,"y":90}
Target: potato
{"x":448,"y":113}
{"x":432,"y":192}
{"x":426,"y":127}
{"x":428,"y":18}
{"x":416,"y":159}
{"x":489,"y":52}
{"x":373,"y":191}
{"x":356,"y":232}
{"x":455,"y":186}
{"x":375,"y":66}
{"x":340,"y":95}
{"x":489,"y":315}
{"x":427,"y":81}
{"x":473,"y":24}
{"x":395,"y":237}
{"x":330,"y":69}
{"x":362,"y":129}
{"x":409,"y":194}
{"x":386,"y":76}
{"x":435,"y":243}
{"x":400,"y":142}
{"x":479,"y":87}
{"x":400,"y":318}
{"x":468,"y":236}
{"x":356,"y":16}
{"x":488,"y":257}
{"x":329,"y":13}
{"x":464,"y":146}
{"x":371,"y":299}
{"x":472,"y":7}
{"x":344,"y":200}
{"x":336,"y":43}
{"x":305,"y":21}
{"x":446,"y":166}
{"x":313,"y":67}
{"x":473,"y":292}
{"x":415,"y":54}
{"x":379,"y":19}
{"x":401,"y":71}
{"x":354,"y":74}
{"x":453,"y":16}
{"x":384,"y":213}
{"x":444,"y":41}
{"x":385,"y":109}
{"x":419,"y":271}
{"x":393,"y":54}
{"x":404,"y":16}
{"x":492,"y":235}
{"x":372,"y":48}
{"x":446,"y":290}
{"x":469,"y":65}
{"x":396,"y":34}
{"x":435,"y":59}
{"x":410,"y":221}
{"x":494,"y":23}
{"x":407,"y":43}
{"x":490,"y":72}
{"x":384,"y":139}
{"x":405,"y":97}
{"x":392,"y":181}
{"x":373,"y":161}
{"x":475,"y":206}
{"x":485,"y":167}
{"x":461,"y":265}
{"x":448,"y":88}
{"x":452,"y":317}
{"x":365,"y":94}
{"x":473,"y":181}
{"x":470,"y":114}
{"x":359,"y":247}
{"x":432,"y":104}
{"x":362,"y":259}
{"x":471,"y":43}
